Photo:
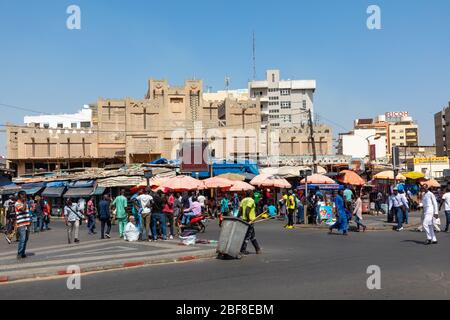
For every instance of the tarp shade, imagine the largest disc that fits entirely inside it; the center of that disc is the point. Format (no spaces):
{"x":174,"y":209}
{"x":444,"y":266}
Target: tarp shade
{"x":32,"y":191}
{"x":57,"y":184}
{"x":82,"y":184}
{"x":79,"y":192}
{"x":33,"y":185}
{"x":10,"y":189}
{"x":99,"y":191}
{"x":53,"y":192}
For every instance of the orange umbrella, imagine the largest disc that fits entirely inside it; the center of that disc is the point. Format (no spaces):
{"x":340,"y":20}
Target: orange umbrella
{"x":182,"y":183}
{"x":318,"y":179}
{"x":241,"y":186}
{"x":217,"y":182}
{"x":350,"y":177}
{"x":430,"y":183}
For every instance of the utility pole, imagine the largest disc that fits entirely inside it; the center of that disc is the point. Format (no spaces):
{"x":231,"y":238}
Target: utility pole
{"x":254,"y":56}
{"x":313,"y":142}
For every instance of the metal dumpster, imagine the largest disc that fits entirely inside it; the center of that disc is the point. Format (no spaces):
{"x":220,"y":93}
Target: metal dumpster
{"x":232,"y":236}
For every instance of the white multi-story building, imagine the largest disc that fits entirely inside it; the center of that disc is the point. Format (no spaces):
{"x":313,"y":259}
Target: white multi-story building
{"x":81,"y":119}
{"x":284,"y":103}
{"x":357,"y":143}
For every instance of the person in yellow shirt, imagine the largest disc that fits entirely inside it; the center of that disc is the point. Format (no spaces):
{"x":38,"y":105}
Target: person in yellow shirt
{"x":248,"y":213}
{"x":291,"y":206}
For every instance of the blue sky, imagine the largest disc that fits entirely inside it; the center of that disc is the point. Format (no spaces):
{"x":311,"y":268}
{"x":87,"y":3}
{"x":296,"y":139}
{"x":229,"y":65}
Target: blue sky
{"x":360,"y":73}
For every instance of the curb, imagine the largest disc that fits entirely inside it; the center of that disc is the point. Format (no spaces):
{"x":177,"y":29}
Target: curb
{"x":58,"y":272}
{"x":369,"y":228}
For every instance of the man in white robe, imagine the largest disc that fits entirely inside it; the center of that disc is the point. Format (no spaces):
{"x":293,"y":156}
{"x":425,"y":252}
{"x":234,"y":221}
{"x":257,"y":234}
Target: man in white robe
{"x":430,"y":213}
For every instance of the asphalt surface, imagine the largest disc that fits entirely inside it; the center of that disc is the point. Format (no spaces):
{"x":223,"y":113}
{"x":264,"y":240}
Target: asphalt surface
{"x":296,"y":264}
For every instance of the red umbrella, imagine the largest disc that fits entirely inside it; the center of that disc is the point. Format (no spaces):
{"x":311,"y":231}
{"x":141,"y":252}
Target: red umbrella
{"x":182,"y":183}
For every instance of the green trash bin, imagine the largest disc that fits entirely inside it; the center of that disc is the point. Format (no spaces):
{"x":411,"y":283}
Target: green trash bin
{"x":232,"y":236}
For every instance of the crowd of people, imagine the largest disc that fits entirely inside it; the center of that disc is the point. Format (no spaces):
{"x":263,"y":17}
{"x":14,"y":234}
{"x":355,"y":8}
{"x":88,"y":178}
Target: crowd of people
{"x":152,"y":216}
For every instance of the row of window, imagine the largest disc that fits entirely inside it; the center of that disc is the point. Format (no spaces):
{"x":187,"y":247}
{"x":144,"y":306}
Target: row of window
{"x":273,"y":103}
{"x":274,"y":111}
{"x":73,"y":125}
{"x":285,"y":105}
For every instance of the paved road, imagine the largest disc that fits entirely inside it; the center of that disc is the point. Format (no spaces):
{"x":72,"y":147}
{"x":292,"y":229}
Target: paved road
{"x":297,"y":264}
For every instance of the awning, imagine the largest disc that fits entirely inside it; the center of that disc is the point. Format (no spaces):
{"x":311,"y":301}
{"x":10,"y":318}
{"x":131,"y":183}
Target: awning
{"x":32,"y":191}
{"x":120,"y":181}
{"x":53,"y":192}
{"x":322,"y":187}
{"x":79,"y":192}
{"x":10,"y":189}
{"x":99,"y":191}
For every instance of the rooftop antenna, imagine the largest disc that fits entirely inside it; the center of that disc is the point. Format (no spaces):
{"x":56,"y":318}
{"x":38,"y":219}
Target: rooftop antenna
{"x":254,"y":56}
{"x":227,"y":83}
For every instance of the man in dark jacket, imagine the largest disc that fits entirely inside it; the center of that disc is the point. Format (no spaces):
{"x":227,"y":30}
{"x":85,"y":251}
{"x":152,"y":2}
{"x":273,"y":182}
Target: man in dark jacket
{"x":104,"y":216}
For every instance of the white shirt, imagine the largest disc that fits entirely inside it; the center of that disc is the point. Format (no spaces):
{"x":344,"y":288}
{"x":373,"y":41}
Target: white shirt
{"x":131,"y":232}
{"x":429,"y":202}
{"x":201,"y":199}
{"x":145,"y":200}
{"x":82,"y":204}
{"x":398,"y":201}
{"x":446,"y":199}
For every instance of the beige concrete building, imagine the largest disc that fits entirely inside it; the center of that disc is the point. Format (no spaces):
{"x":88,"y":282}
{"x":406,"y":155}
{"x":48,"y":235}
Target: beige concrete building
{"x":442,"y":131}
{"x":137,"y":131}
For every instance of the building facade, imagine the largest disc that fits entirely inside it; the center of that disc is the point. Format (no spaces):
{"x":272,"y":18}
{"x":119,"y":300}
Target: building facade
{"x":284,"y":103}
{"x":142,"y":130}
{"x":358,"y":142}
{"x":81,"y":119}
{"x":394,"y":128}
{"x":442,"y":131}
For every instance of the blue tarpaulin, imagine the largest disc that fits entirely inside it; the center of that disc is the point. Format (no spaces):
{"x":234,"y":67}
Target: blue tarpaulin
{"x":244,"y":167}
{"x":322,"y":186}
{"x":82,"y":184}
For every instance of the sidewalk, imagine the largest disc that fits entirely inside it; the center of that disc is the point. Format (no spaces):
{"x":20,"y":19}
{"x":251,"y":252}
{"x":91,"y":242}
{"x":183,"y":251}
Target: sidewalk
{"x":49,"y":254}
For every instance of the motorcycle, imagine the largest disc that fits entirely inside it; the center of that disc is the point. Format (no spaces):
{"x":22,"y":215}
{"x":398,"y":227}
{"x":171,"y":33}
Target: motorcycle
{"x":197,"y":223}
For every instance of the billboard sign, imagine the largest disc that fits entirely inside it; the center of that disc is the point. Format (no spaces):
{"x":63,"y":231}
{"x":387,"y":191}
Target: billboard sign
{"x":396,"y":116}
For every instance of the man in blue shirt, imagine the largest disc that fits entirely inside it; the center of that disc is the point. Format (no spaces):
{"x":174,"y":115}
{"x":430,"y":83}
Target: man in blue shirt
{"x":399,"y":203}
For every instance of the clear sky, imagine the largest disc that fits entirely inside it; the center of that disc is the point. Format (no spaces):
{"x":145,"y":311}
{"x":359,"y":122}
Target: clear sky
{"x":359,"y":72}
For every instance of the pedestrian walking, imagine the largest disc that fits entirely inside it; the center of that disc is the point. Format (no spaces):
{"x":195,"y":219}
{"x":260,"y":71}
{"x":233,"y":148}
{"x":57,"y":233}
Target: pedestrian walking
{"x":430,"y":212}
{"x":22,"y":223}
{"x":357,"y":212}
{"x":248,"y":214}
{"x":104,"y":215}
{"x":91,"y":213}
{"x":39,"y":213}
{"x":158,"y":217}
{"x":168,"y":210}
{"x":73,"y":216}
{"x":342,"y":222}
{"x":224,"y":208}
{"x":10,"y":208}
{"x":446,"y":202}
{"x":121,"y":203}
{"x":145,"y":200}
{"x":378,"y":202}
{"x":399,"y":204}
